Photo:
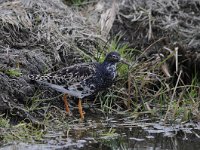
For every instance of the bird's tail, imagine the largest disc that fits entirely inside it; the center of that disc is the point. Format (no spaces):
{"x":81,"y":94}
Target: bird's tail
{"x":50,"y":81}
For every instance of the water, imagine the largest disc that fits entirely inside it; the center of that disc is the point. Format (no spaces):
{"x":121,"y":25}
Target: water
{"x":121,"y":133}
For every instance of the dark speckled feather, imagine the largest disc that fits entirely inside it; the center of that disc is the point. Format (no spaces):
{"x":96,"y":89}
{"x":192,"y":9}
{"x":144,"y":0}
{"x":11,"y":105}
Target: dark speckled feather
{"x":82,"y":80}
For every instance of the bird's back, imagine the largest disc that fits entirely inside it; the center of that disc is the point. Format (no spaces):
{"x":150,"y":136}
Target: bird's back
{"x":69,"y":80}
{"x":80,"y":80}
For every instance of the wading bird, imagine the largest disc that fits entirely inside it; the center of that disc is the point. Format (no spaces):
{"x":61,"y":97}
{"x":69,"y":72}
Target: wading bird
{"x":82,"y":80}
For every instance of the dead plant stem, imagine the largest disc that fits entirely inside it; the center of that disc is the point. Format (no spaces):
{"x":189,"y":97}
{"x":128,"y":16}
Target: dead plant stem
{"x":172,"y":98}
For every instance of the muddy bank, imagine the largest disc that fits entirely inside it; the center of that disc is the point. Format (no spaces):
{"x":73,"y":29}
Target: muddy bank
{"x":38,"y":37}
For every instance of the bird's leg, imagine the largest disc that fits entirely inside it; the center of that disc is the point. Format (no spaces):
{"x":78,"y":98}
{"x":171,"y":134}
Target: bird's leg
{"x":80,"y":109}
{"x":66,"y":103}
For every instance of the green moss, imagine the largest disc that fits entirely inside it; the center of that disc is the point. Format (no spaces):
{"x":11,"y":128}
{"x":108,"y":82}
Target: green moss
{"x":4,"y":123}
{"x":23,"y":132}
{"x":110,"y":134}
{"x":13,"y":72}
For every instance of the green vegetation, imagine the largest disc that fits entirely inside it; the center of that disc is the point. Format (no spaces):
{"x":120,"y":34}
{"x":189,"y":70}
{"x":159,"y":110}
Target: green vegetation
{"x":32,"y":132}
{"x":77,"y":2}
{"x":109,"y":135}
{"x":141,"y":91}
{"x":4,"y":123}
{"x":144,"y":90}
{"x":25,"y":132}
{"x":13,"y":72}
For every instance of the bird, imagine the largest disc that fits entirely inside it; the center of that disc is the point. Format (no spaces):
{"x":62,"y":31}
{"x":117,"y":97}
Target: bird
{"x":82,"y":80}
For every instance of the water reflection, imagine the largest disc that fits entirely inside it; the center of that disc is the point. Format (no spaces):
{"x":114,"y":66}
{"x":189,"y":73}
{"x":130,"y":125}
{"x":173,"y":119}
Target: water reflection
{"x":138,"y":139}
{"x":119,"y":134}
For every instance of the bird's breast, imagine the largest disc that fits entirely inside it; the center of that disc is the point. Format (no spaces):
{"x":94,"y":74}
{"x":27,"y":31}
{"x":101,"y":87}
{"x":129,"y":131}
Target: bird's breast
{"x":111,"y":72}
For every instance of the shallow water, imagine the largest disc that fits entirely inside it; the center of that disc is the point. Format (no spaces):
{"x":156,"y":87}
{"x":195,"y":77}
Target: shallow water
{"x":124,"y":133}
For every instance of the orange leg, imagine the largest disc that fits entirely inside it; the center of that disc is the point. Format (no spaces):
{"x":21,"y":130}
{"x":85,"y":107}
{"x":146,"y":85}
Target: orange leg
{"x":66,"y":103}
{"x":80,"y":109}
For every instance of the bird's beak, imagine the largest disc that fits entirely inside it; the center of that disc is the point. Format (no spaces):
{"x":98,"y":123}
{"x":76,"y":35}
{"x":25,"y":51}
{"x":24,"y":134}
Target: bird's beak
{"x":124,"y":62}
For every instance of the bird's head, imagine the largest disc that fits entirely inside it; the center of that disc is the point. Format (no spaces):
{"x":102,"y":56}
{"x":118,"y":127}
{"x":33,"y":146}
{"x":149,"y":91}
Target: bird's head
{"x":114,"y":57}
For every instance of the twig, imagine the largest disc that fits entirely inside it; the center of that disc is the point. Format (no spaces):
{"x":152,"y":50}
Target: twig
{"x":129,"y":91}
{"x":172,"y":98}
{"x":150,"y":26}
{"x":176,"y":56}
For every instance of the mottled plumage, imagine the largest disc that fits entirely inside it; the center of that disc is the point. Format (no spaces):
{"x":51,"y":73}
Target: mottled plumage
{"x":82,"y":80}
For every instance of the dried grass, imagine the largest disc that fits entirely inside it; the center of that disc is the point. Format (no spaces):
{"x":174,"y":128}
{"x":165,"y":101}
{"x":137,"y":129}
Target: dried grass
{"x":39,"y":36}
{"x":48,"y":24}
{"x":164,"y":49}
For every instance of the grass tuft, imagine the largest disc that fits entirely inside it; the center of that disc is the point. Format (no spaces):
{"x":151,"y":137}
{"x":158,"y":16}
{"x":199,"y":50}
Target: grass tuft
{"x":13,"y":72}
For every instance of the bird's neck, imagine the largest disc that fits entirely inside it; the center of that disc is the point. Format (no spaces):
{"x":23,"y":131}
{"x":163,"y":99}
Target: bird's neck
{"x":109,"y":68}
{"x":108,"y":71}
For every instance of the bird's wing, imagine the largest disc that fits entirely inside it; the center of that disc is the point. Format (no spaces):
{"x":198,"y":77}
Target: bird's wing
{"x":70,"y":79}
{"x":68,"y":75}
{"x":75,"y":73}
